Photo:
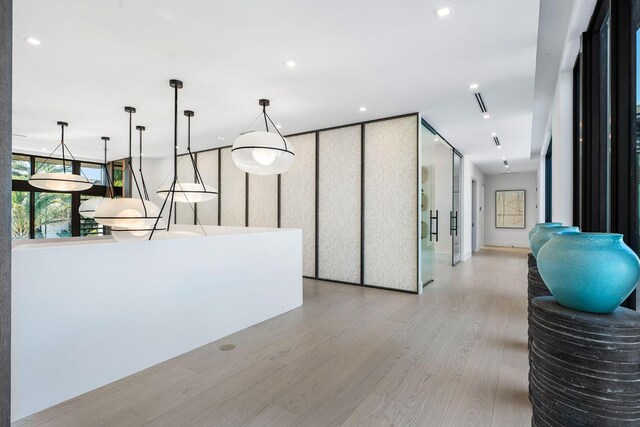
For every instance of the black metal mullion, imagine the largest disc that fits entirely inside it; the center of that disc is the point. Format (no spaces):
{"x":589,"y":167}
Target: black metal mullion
{"x":317,"y":187}
{"x":362,"y":190}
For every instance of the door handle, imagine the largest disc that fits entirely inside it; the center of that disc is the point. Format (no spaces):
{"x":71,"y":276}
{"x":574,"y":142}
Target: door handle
{"x":431,"y":228}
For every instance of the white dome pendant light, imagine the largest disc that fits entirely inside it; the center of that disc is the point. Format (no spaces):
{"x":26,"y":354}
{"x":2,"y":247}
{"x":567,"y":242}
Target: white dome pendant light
{"x":59,"y":181}
{"x":129,"y":218}
{"x":88,"y":208}
{"x":190,"y":192}
{"x":263,"y":152}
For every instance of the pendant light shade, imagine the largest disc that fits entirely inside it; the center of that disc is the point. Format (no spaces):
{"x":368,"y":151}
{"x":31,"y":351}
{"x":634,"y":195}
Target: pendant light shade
{"x":188,"y":192}
{"x":88,"y":208}
{"x":263,"y":152}
{"x":60,"y":181}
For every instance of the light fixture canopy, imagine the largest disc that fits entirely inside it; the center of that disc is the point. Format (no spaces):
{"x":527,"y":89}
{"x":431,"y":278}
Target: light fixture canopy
{"x":60,"y":181}
{"x":263,"y":152}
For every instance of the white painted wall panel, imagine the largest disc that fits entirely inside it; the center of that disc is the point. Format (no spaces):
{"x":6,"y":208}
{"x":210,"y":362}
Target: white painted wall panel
{"x":297,"y":197}
{"x":208,"y":167}
{"x":232,"y":191}
{"x":339,"y":204}
{"x":184,"y":211}
{"x":391,"y":203}
{"x":263,"y":201}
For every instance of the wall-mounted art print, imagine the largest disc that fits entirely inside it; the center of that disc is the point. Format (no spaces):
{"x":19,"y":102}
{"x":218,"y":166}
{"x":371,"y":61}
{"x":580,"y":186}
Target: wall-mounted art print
{"x":510,"y":209}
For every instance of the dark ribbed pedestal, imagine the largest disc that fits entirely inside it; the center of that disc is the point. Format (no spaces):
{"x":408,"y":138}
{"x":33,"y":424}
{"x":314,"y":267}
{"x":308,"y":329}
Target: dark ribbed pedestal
{"x":536,"y":288}
{"x":584,"y":367}
{"x":531,"y":260}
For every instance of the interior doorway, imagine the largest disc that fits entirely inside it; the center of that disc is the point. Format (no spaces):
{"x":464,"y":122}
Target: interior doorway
{"x":474,"y":216}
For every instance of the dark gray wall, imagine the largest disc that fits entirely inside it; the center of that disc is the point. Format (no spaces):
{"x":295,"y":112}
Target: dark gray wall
{"x":6,"y":34}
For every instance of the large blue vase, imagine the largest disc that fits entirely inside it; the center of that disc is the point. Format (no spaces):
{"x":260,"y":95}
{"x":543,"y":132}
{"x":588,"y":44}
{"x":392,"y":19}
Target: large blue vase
{"x":591,"y":272}
{"x":543,"y":235}
{"x":535,"y":228}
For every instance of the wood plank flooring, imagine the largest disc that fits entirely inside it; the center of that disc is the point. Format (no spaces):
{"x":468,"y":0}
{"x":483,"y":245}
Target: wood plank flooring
{"x":351,"y":356}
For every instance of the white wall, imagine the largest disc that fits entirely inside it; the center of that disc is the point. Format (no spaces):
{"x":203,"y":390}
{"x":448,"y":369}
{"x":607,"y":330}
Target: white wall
{"x":562,"y":154}
{"x":505,"y":236}
{"x":471,"y":172}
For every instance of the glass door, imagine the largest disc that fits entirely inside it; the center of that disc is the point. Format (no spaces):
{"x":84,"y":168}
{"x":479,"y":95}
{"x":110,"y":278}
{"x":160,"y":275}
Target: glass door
{"x":429,"y":229}
{"x":455,"y":216}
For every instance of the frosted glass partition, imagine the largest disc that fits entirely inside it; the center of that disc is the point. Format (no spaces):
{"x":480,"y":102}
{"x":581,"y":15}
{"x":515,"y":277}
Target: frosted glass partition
{"x":232,"y":191}
{"x":391,"y":204}
{"x":263,"y":201}
{"x":184,"y":211}
{"x":207,"y":212}
{"x":339,"y":204}
{"x":297,"y":197}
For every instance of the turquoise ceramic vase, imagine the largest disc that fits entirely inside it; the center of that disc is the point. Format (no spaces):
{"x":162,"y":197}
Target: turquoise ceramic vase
{"x":543,"y":235}
{"x":535,"y":228}
{"x":592,"y":272}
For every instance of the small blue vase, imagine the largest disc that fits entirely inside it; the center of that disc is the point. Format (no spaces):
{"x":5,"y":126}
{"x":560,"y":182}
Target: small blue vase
{"x":543,"y":235}
{"x":535,"y":228}
{"x":592,"y":272}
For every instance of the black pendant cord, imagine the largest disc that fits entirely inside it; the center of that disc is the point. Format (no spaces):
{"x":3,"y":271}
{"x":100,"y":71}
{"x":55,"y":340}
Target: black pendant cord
{"x":277,"y":130}
{"x":144,"y":185}
{"x":264,"y":113}
{"x":110,"y":185}
{"x":64,"y":161}
{"x":132,"y":110}
{"x":198,"y":177}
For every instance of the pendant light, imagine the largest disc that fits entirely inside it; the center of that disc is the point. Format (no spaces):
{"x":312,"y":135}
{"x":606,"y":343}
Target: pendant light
{"x":60,"y":181}
{"x":263,"y":152}
{"x":129,"y":218}
{"x":190,"y":192}
{"x":145,"y":193}
{"x":88,"y":208}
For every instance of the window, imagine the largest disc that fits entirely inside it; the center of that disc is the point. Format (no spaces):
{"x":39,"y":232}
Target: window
{"x":44,"y":215}
{"x":20,"y":167}
{"x":20,"y":215}
{"x":52,"y":215}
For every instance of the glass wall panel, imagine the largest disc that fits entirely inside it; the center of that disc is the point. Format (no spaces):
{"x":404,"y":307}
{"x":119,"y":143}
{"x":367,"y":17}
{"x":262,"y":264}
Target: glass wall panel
{"x":429,"y":216}
{"x":52,"y":215}
{"x":52,"y":165}
{"x":456,"y":220}
{"x":89,"y":226}
{"x":20,"y":210}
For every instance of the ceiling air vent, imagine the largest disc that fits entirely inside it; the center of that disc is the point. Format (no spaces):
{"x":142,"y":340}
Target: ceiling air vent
{"x":480,"y":101}
{"x":497,"y":141}
{"x":505,"y":163}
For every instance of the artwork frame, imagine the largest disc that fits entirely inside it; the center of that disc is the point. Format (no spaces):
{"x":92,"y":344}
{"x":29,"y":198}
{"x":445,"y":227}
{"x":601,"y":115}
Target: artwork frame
{"x":511,"y":209}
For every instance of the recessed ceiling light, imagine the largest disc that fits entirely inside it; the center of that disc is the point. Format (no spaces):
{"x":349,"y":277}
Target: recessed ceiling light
{"x":443,"y":11}
{"x":473,"y":86}
{"x":221,"y":138}
{"x":290,"y":64}
{"x":363,"y":108}
{"x":499,"y":147}
{"x":494,"y":134}
{"x":279,"y":126}
{"x":504,"y":158}
{"x":436,"y":139}
{"x":506,"y":166}
{"x":32,"y":41}
{"x":486,"y":116}
{"x":43,"y":149}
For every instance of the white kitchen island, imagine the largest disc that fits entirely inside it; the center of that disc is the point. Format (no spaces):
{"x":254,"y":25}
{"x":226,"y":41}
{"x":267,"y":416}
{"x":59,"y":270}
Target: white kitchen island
{"x":87,"y":313}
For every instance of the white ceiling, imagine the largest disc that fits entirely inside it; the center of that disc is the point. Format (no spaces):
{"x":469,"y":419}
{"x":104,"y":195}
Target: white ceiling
{"x":393,"y":57}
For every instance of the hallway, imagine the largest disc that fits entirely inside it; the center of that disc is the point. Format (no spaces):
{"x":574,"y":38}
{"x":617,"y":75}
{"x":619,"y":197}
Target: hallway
{"x":454,"y":356}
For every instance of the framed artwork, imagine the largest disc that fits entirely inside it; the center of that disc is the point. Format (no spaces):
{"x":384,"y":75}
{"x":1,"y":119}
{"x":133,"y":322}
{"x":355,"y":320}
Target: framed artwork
{"x":510,"y":209}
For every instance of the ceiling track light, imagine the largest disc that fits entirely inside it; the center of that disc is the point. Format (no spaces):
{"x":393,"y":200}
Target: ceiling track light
{"x":190,"y":192}
{"x":263,"y":152}
{"x":87,"y":209}
{"x":59,"y":181}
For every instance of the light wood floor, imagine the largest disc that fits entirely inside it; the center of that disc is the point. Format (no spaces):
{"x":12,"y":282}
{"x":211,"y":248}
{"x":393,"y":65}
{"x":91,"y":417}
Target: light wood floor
{"x":454,"y":356}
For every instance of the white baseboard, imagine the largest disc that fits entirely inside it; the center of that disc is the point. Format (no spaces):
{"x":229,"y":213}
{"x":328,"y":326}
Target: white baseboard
{"x":507,"y":244}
